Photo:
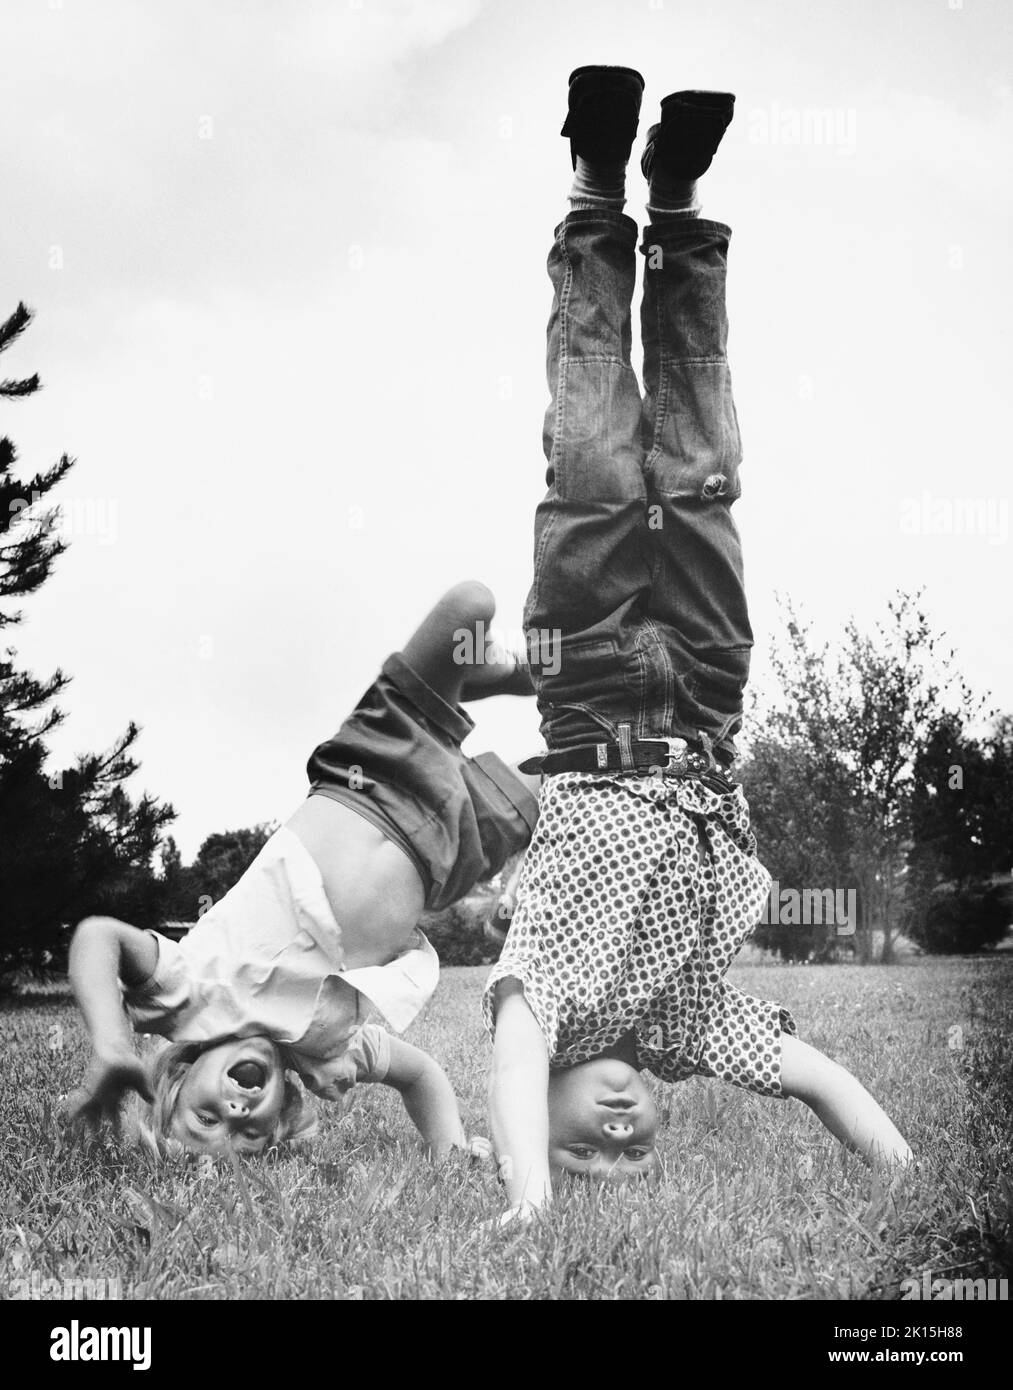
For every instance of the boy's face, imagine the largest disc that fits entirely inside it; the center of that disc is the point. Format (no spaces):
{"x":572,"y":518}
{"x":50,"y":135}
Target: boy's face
{"x":602,"y":1121}
{"x":231,"y":1098}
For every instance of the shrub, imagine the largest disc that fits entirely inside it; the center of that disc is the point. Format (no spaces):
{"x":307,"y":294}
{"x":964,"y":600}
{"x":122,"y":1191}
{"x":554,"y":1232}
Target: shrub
{"x":457,"y":934}
{"x":957,"y":920}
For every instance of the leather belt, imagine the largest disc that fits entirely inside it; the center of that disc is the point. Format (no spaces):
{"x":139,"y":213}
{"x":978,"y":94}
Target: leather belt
{"x":672,"y":757}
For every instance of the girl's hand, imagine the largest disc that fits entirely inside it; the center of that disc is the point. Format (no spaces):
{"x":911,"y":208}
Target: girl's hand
{"x":479,"y":1149}
{"x":518,"y":1217}
{"x":114,"y":1070}
{"x":843,"y":1104}
{"x":476,"y":1152}
{"x":515,"y":1219}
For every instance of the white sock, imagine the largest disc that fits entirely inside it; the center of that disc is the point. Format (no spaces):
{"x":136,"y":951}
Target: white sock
{"x":598,"y":186}
{"x":668,"y":197}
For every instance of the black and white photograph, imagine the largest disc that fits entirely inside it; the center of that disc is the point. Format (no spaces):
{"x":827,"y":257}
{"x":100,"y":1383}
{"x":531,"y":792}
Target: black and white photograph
{"x":506,"y":707}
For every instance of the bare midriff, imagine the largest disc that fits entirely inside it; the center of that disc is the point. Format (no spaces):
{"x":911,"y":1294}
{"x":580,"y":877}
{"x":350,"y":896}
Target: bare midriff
{"x":374,"y":889}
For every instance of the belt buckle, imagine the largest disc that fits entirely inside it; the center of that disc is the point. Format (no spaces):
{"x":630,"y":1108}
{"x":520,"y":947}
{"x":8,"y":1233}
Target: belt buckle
{"x":684,"y":761}
{"x":678,"y":755}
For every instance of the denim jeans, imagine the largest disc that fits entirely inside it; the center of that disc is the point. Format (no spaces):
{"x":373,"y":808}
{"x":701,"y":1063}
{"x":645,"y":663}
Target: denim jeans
{"x":638,"y":594}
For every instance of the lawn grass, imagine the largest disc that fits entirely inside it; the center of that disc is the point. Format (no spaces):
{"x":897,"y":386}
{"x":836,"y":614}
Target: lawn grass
{"x":756,"y":1201}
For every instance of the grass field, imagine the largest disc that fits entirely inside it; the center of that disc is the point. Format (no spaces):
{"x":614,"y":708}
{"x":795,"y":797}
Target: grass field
{"x":756,"y":1200}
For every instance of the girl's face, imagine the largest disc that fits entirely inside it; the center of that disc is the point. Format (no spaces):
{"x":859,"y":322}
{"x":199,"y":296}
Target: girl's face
{"x":231,"y":1098}
{"x":602,"y":1121}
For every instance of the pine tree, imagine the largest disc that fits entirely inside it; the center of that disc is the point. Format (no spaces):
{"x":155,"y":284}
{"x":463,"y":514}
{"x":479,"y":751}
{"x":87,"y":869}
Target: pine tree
{"x":29,"y":547}
{"x":72,"y":841}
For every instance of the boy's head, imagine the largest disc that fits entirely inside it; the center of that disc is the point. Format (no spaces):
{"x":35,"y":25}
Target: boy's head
{"x":602,"y":1121}
{"x":212,"y":1098}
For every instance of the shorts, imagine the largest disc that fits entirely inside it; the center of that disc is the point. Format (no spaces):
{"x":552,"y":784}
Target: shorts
{"x":397,"y":761}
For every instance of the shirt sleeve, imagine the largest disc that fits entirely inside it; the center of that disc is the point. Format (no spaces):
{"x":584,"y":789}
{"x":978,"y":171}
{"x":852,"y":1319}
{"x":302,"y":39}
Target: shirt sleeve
{"x":539,"y":995}
{"x":742,"y":1042}
{"x":400,"y":989}
{"x":154,"y":1006}
{"x":372,"y":1054}
{"x":364,"y":1058}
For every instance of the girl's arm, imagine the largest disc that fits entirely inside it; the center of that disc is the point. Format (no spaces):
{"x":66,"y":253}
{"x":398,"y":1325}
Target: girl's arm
{"x":841,"y":1102}
{"x":518,"y":1100}
{"x":102,"y":953}
{"x":428,"y":1097}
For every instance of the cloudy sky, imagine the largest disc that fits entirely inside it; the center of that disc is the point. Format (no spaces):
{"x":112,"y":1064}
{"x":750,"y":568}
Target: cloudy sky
{"x":287,"y":261}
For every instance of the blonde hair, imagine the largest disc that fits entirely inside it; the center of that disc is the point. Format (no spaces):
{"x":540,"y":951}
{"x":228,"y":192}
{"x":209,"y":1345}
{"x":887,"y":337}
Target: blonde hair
{"x":297,"y":1121}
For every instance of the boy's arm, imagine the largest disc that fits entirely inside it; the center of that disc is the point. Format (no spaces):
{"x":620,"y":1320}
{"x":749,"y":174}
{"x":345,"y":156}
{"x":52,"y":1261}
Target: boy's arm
{"x":518,"y":1099}
{"x":102,"y":953}
{"x":841,"y":1102}
{"x":428,"y":1097}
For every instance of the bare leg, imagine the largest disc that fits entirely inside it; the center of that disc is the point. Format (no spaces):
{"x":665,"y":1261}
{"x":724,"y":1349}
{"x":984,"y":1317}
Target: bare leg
{"x":451,"y":652}
{"x":502,"y":673}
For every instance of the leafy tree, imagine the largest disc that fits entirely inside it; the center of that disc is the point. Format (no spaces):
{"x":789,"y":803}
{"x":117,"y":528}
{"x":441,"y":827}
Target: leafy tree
{"x":833,"y":778}
{"x":962,"y":806}
{"x":959,"y":892}
{"x":221,"y":861}
{"x":800,"y":809}
{"x":178,"y":896}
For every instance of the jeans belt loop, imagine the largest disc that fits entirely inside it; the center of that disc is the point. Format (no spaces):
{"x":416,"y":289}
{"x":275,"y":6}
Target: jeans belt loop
{"x":626,"y":749}
{"x":602,"y":754}
{"x":708,"y":748}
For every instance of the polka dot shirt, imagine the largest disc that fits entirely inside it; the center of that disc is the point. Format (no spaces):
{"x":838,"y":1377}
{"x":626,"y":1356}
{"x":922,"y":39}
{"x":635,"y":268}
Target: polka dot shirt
{"x":635,"y":897}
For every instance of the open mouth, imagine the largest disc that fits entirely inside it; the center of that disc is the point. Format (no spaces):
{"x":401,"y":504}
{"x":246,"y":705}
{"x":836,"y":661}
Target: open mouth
{"x":622,"y":1103}
{"x":248,"y":1076}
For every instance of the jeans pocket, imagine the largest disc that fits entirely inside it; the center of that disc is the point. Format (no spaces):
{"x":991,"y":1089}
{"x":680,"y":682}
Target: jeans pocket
{"x":719,"y":677}
{"x":595,"y":687}
{"x":581,"y":668}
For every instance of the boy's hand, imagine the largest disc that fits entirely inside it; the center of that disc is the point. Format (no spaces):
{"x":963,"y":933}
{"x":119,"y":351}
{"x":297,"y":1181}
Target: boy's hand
{"x":104,"y":954}
{"x":428,"y":1098}
{"x":478,"y":1149}
{"x":114,"y":1071}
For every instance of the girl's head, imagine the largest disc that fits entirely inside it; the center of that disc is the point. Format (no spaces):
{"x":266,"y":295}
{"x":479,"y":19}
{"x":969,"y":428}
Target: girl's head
{"x":212,"y":1098}
{"x":602,"y":1121}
